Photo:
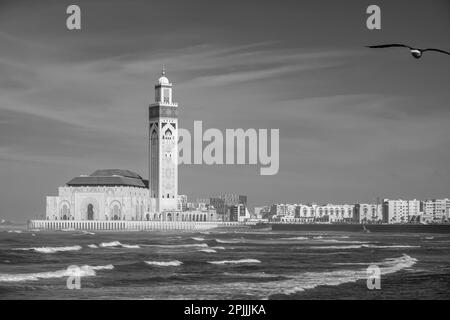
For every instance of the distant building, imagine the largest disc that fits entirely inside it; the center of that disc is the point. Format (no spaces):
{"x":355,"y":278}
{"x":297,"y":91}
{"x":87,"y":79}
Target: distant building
{"x":262,"y":212}
{"x":280,"y":211}
{"x":239,"y":213}
{"x":436,"y":210}
{"x":182,"y":202}
{"x":401,"y":211}
{"x":225,"y":205}
{"x":368,"y":213}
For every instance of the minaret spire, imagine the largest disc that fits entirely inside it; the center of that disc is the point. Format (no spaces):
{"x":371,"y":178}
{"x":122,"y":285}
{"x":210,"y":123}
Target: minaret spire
{"x":163,"y":71}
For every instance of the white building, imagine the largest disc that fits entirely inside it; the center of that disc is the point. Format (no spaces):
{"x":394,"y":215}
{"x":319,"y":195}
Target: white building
{"x":436,"y":210}
{"x":109,"y":194}
{"x":313,"y":213}
{"x":368,"y":213}
{"x":401,"y":211}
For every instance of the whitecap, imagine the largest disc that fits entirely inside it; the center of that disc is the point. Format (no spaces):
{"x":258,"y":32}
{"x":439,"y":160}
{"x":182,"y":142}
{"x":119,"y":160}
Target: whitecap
{"x":195,"y":245}
{"x":235,"y":261}
{"x":294,"y":283}
{"x":52,"y":249}
{"x":174,"y":263}
{"x":198,"y":238}
{"x":130,"y":246}
{"x":110,"y":244}
{"x":295,"y":238}
{"x":373,"y":246}
{"x":113,"y":244}
{"x":229,"y":241}
{"x":92,"y":246}
{"x":208,"y":250}
{"x":83,"y":271}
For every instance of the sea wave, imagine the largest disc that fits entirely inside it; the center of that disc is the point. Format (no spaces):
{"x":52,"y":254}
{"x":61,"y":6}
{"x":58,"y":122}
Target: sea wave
{"x":218,"y":248}
{"x":295,"y":238}
{"x":93,"y":246}
{"x":208,"y":250}
{"x":374,"y":246}
{"x":251,"y":275}
{"x":293,"y":284}
{"x":114,"y":244}
{"x":235,"y":261}
{"x":173,"y":263}
{"x":198,"y":238}
{"x":229,"y":241}
{"x":194,"y":245}
{"x":14,"y":231}
{"x":84,"y":233}
{"x":341,"y":241}
{"x":83,"y":271}
{"x":51,"y":249}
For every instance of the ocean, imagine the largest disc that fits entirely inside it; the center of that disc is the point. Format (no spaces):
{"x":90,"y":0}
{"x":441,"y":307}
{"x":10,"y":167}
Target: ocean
{"x":222,"y":264}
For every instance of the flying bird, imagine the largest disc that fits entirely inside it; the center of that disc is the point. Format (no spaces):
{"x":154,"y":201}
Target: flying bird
{"x":416,"y":52}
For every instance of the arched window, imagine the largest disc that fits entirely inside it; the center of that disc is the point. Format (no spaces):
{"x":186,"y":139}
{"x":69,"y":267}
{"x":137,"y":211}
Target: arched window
{"x":90,"y":211}
{"x":115,"y":212}
{"x":65,"y":211}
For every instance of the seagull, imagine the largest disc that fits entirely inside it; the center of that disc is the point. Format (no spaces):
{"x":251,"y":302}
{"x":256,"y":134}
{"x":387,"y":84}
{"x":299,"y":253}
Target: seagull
{"x":416,"y":52}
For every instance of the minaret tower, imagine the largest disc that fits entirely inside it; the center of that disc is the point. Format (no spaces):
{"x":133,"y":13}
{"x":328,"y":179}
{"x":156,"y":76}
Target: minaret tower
{"x":163,"y":148}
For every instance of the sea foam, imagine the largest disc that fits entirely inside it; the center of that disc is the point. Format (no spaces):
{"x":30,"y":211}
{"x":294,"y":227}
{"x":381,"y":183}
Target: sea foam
{"x":51,"y":249}
{"x":294,"y":283}
{"x":83,"y":271}
{"x":174,"y":263}
{"x":235,"y":261}
{"x":113,"y":244}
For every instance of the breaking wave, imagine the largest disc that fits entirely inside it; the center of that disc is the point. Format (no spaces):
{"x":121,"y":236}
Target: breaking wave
{"x":83,"y":271}
{"x":118,"y":244}
{"x":229,"y":241}
{"x":208,"y":250}
{"x":51,"y":249}
{"x":218,"y":248}
{"x":363,"y":246}
{"x":293,"y":284}
{"x":295,"y":238}
{"x":174,"y":263}
{"x":195,"y":245}
{"x":235,"y":261}
{"x":198,"y":238}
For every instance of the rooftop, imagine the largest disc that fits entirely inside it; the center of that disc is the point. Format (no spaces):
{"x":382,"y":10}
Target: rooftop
{"x":110,"y":177}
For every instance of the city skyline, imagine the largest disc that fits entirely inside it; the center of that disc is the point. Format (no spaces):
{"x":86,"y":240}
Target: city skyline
{"x":354,"y":124}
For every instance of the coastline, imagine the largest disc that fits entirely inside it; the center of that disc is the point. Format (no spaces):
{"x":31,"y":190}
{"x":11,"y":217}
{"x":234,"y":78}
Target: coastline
{"x":389,"y":228}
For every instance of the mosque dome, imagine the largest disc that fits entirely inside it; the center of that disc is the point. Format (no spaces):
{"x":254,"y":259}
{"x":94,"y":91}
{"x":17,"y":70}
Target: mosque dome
{"x":110,"y":177}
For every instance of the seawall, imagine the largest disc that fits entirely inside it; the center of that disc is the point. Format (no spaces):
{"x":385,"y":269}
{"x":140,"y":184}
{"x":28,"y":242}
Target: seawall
{"x":127,"y":225}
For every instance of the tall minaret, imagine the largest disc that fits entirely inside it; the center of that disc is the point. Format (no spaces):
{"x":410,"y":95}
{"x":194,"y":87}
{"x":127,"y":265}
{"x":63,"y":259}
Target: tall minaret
{"x":163,"y":148}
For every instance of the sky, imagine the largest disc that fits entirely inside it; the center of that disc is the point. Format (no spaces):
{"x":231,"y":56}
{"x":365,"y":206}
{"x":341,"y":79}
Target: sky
{"x":355,"y":123}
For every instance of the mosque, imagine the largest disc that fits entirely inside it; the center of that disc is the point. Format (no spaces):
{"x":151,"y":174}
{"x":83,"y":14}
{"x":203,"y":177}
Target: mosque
{"x":123,"y":195}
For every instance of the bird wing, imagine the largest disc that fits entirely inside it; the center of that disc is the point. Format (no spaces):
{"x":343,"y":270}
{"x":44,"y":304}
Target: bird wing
{"x":437,"y":50}
{"x":389,"y":46}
